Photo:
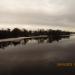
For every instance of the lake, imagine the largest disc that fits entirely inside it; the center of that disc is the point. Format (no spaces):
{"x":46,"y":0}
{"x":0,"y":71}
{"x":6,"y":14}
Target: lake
{"x":37,"y":56}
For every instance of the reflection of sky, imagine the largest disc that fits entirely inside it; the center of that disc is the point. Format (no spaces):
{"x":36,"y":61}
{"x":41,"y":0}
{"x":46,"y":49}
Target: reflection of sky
{"x":56,"y":51}
{"x":42,"y":13}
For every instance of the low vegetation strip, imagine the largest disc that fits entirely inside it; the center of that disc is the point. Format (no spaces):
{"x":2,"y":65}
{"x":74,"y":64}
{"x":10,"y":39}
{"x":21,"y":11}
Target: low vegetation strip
{"x":15,"y":33}
{"x":20,"y":38}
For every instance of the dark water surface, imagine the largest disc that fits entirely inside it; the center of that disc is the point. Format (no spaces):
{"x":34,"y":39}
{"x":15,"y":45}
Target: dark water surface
{"x":38,"y":56}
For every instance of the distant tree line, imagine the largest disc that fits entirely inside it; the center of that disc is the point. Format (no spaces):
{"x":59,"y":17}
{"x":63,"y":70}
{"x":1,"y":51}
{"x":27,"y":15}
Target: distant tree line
{"x":16,"y":32}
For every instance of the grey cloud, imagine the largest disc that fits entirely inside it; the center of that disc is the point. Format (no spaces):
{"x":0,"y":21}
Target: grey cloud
{"x":34,"y":14}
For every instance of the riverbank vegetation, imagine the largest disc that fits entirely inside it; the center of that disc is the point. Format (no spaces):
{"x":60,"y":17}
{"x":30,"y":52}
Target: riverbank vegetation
{"x":25,"y":33}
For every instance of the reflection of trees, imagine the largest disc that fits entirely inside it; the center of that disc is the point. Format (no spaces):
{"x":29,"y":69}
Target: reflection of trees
{"x":41,"y":39}
{"x":49,"y":39}
{"x":56,"y":38}
{"x":4,"y":44}
{"x":14,"y":43}
{"x":25,"y":41}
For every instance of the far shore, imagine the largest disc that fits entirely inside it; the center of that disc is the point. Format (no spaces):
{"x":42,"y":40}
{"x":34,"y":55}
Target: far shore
{"x":20,"y":38}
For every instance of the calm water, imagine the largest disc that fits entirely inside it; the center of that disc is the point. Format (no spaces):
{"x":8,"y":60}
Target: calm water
{"x":38,"y":56}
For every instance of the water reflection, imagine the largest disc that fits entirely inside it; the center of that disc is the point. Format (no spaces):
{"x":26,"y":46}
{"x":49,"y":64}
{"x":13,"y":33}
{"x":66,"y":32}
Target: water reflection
{"x":38,"y":40}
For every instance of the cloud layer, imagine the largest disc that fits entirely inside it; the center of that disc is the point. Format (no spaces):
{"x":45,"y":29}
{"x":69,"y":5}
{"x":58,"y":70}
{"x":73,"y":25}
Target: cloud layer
{"x":44,"y":12}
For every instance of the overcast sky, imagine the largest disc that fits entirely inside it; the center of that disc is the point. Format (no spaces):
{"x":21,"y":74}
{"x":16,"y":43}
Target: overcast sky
{"x":40,"y":13}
